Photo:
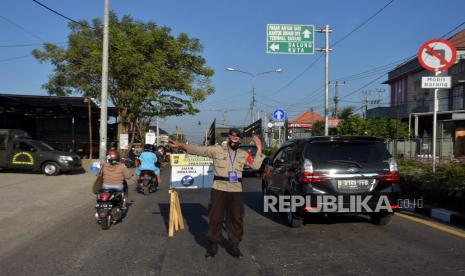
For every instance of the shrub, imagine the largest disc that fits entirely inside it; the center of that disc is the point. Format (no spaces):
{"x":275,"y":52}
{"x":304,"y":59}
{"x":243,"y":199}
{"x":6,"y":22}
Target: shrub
{"x":445,"y":188}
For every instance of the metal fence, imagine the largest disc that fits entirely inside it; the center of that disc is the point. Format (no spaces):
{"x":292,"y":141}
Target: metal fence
{"x":422,"y":148}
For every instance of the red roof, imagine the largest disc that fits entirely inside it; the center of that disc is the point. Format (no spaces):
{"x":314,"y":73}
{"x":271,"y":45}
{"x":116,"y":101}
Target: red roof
{"x":458,"y":39}
{"x":307,"y":118}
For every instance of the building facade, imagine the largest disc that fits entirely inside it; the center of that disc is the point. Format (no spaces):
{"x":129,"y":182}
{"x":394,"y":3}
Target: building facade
{"x":410,"y":103}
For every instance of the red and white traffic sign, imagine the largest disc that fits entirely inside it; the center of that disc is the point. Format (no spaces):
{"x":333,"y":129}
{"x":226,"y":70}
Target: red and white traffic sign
{"x":437,"y":55}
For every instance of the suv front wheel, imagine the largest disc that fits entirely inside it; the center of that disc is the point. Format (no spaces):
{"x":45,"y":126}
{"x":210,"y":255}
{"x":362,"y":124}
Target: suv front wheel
{"x":293,"y":220}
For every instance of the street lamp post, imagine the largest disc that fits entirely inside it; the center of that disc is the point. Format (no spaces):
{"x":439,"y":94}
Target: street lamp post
{"x":253,"y":76}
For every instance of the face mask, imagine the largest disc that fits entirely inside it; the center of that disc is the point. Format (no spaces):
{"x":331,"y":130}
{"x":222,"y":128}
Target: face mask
{"x":234,"y":145}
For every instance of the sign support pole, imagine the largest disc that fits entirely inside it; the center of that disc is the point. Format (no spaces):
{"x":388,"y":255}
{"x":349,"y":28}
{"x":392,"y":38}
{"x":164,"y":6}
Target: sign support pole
{"x":444,"y":56}
{"x":326,"y":30}
{"x":435,"y":111}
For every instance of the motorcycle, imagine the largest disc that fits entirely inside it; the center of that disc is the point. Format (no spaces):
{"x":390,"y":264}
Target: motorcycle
{"x":129,"y":163}
{"x":109,"y":208}
{"x":148,"y":182}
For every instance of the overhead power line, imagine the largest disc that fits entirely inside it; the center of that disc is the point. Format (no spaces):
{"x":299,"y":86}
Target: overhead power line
{"x":22,"y":28}
{"x":15,"y":58}
{"x":28,"y":45}
{"x":62,"y":15}
{"x":362,"y":24}
{"x":332,"y":45}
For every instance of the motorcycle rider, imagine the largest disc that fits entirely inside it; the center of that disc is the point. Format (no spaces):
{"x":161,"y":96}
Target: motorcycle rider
{"x":148,"y":161}
{"x":114,"y":174}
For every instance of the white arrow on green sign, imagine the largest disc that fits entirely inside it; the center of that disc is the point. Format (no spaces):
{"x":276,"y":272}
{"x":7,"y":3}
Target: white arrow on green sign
{"x":290,"y":39}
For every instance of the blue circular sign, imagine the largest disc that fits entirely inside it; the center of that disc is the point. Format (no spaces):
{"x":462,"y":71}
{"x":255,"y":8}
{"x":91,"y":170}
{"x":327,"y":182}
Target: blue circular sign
{"x":279,"y":115}
{"x":187,"y":181}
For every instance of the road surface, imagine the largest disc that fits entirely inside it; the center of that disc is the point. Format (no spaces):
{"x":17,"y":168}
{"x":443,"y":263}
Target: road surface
{"x":48,"y":228}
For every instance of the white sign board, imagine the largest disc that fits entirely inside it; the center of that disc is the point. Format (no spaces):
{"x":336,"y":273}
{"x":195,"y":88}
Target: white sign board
{"x":279,"y":124}
{"x":123,"y":141}
{"x":191,"y":172}
{"x":187,"y":177}
{"x":436,"y":82}
{"x":150,"y":138}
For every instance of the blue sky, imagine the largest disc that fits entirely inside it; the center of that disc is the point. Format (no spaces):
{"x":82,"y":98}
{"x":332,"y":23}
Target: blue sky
{"x":233,"y":35}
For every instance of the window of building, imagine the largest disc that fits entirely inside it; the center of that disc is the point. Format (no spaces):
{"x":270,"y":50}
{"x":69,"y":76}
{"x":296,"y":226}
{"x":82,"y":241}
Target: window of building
{"x":400,"y":91}
{"x":457,"y":97}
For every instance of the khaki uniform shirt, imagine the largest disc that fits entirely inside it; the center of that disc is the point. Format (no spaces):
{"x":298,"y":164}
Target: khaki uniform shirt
{"x":222,"y":163}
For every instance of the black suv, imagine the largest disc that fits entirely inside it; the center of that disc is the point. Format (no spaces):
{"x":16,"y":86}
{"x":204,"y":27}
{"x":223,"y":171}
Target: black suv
{"x":342,"y":167}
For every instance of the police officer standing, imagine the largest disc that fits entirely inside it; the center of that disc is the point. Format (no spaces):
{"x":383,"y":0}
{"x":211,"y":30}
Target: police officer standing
{"x":227,"y":200}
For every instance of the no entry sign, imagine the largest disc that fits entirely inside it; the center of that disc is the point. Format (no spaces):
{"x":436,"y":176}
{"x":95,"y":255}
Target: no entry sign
{"x":437,"y":55}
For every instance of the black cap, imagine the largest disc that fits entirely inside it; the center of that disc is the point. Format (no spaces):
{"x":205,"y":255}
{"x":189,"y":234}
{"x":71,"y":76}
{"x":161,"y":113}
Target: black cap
{"x":235,"y":132}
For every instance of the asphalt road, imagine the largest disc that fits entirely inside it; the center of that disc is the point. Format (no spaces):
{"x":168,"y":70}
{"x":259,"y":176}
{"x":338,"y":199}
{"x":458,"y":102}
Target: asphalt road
{"x":71,"y":243}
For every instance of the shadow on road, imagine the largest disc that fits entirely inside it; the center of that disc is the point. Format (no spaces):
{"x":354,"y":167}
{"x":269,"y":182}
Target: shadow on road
{"x":196,"y":219}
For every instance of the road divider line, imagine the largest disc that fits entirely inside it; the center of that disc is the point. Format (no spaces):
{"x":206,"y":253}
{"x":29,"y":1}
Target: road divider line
{"x":434,"y":225}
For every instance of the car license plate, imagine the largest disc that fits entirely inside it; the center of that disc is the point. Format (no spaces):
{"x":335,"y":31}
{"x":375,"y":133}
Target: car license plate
{"x":352,"y":184}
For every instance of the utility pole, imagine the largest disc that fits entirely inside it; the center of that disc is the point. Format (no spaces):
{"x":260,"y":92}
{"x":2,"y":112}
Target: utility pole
{"x":253,"y":76}
{"x":380,"y":91}
{"x":326,"y":30}
{"x":266,"y":130}
{"x":104,"y":95}
{"x":336,"y":98}
{"x":365,"y":103}
{"x":252,"y":108}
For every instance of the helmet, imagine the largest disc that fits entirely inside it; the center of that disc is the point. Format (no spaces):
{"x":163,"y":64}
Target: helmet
{"x":113,"y":156}
{"x":148,"y":147}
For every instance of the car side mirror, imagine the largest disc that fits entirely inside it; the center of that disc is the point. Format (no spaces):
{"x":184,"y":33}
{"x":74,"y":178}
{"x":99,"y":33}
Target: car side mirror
{"x":278,"y":162}
{"x":267,"y":161}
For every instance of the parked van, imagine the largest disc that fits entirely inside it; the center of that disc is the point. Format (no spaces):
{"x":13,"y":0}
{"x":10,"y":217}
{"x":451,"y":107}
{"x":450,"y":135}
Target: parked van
{"x":19,"y":151}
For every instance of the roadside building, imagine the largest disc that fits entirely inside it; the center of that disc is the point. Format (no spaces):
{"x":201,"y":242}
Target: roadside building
{"x":410,"y":103}
{"x":301,"y":126}
{"x":62,"y":122}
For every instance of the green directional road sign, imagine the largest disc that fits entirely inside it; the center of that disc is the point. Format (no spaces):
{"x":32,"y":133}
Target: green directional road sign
{"x":290,"y":39}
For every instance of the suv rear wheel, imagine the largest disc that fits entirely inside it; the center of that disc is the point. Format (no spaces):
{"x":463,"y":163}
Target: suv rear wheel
{"x":381,"y":219}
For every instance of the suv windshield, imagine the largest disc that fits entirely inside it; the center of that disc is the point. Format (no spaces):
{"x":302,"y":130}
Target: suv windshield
{"x":342,"y":151}
{"x":42,"y":146}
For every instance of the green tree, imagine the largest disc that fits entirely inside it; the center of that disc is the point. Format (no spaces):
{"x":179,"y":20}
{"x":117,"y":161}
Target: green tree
{"x":345,"y":112}
{"x":379,"y":127}
{"x":353,"y":125}
{"x":318,"y":128}
{"x":151,"y":72}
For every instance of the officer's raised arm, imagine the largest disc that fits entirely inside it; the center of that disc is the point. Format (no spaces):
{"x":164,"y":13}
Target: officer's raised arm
{"x":209,"y":151}
{"x":259,"y":157}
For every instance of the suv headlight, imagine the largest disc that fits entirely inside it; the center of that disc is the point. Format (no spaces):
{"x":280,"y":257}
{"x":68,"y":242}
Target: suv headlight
{"x":65,"y":158}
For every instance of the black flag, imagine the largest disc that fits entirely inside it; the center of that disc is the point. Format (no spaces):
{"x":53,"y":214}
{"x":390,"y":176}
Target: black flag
{"x":211,"y":134}
{"x":254,"y":128}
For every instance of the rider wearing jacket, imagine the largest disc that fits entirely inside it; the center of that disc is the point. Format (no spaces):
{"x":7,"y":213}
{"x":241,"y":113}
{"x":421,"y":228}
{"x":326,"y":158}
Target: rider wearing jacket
{"x":114,"y":174}
{"x":148,"y":159}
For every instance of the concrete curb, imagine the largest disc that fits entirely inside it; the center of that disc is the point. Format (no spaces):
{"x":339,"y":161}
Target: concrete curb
{"x":440,"y":214}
